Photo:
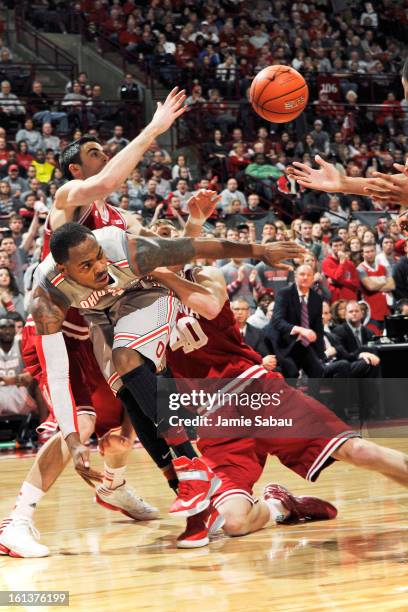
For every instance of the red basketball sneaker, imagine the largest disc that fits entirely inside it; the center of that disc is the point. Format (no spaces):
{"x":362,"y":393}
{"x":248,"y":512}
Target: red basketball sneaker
{"x":199,"y":527}
{"x":197,"y":482}
{"x":195,"y":534}
{"x":311,"y":508}
{"x":214,"y":520}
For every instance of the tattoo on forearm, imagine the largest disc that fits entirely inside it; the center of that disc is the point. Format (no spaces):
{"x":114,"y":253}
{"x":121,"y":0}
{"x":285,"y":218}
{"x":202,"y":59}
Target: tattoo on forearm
{"x":47,"y":316}
{"x":152,"y":253}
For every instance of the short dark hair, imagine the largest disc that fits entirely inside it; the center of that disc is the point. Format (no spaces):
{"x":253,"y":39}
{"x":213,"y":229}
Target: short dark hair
{"x":386,"y":237}
{"x":405,"y":70}
{"x":72,"y":154}
{"x":14,"y":316}
{"x":336,"y":238}
{"x":65,"y":237}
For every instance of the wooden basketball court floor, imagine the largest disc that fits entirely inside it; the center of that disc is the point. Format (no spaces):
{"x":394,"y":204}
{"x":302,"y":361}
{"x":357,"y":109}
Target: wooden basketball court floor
{"x":110,"y":563}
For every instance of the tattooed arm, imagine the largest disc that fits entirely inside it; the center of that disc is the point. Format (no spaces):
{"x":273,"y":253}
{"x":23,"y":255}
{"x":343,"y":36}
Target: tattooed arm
{"x":52,"y":352}
{"x":146,"y":254}
{"x":47,"y":314}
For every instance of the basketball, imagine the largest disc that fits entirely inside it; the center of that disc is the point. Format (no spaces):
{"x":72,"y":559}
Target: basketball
{"x":279,"y":94}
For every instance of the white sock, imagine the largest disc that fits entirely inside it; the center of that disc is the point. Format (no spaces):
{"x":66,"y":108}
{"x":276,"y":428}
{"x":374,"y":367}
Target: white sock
{"x":27,"y":500}
{"x":113,"y":477}
{"x":277,"y":510}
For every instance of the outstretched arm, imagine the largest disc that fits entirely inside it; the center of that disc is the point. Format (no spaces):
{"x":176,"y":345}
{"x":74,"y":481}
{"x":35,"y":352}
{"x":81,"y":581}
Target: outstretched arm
{"x":82,"y":192}
{"x":49,"y":317}
{"x":146,"y":254}
{"x":327,"y":178}
{"x":206,"y":296}
{"x":389,"y":188}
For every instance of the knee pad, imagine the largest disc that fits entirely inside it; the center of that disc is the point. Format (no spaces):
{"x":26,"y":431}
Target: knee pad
{"x":113,"y":443}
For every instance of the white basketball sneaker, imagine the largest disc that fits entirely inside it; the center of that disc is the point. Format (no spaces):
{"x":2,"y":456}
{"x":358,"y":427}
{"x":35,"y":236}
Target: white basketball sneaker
{"x":123,"y":499}
{"x":18,"y":538}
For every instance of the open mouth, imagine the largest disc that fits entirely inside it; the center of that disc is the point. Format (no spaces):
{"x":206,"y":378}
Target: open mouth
{"x":103,"y":279}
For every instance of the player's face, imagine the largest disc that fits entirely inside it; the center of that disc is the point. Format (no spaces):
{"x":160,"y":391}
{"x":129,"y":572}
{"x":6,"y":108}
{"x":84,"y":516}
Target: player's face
{"x":87,"y":265}
{"x":93,"y":159}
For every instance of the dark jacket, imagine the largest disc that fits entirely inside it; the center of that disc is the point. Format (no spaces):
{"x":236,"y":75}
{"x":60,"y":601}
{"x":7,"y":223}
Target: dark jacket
{"x":349,"y":342}
{"x":400,"y":276}
{"x":254,"y":337}
{"x":287,"y":314}
{"x":341,"y":351}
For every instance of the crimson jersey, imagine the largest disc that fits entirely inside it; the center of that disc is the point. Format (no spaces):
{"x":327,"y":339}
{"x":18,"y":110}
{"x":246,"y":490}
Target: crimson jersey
{"x":91,"y":218}
{"x":200,"y":348}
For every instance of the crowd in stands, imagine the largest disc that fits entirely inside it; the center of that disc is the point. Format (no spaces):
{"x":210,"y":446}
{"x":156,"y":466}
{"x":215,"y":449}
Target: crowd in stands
{"x":357,"y":261}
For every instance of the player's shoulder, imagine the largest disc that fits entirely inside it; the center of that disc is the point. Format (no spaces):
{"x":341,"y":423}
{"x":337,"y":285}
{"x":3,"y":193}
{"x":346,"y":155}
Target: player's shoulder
{"x":46,"y":266}
{"x":209,"y":272}
{"x":109,"y":232}
{"x":62,"y":193}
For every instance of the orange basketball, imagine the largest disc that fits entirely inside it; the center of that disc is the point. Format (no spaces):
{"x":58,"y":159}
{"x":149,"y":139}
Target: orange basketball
{"x":279,"y":94}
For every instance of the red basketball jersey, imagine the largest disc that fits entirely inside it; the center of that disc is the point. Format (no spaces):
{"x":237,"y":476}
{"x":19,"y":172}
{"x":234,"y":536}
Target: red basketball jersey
{"x":91,"y":218}
{"x":200,"y":348}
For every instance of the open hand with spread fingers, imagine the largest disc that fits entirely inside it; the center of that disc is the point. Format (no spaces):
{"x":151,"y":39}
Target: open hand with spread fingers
{"x":390,"y":188}
{"x":202,"y":204}
{"x":170,"y":110}
{"x":275,"y":252}
{"x":325,"y":178}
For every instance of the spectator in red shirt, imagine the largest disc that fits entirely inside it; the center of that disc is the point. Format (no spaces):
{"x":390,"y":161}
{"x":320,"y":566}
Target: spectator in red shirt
{"x":341,"y":273}
{"x":375,"y":280}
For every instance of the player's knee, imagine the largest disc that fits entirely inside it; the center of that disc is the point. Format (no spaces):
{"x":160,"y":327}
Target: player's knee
{"x":125,"y":360}
{"x":236,"y":524}
{"x":113,"y":444}
{"x":359,"y":452}
{"x":86,"y":427}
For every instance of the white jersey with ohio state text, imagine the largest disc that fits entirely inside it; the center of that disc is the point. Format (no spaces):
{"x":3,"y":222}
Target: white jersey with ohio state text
{"x":114,"y":244}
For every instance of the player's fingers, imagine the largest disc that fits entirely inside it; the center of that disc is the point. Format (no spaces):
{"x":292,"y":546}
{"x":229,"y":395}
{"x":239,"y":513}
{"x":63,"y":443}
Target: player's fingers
{"x":181,"y":96}
{"x":381,"y":175}
{"x":304,"y":182}
{"x":181,"y":111}
{"x":306,"y":169}
{"x":88,"y":482}
{"x":319,"y":160}
{"x":401,"y":168}
{"x":172,"y":93}
{"x":90,"y":473}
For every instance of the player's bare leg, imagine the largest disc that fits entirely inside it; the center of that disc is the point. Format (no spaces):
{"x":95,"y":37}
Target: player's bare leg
{"x":115,"y":447}
{"x":242,"y":517}
{"x":371,"y":456}
{"x":54,"y":456}
{"x":18,"y":536}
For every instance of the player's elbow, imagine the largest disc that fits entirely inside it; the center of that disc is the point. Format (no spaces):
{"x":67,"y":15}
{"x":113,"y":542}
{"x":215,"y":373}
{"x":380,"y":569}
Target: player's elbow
{"x":206,"y":306}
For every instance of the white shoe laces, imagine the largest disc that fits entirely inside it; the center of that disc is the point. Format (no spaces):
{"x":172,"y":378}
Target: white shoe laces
{"x":27,"y":523}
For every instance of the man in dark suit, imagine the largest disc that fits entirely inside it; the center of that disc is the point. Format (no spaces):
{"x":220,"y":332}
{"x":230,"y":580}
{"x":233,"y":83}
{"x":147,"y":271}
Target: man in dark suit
{"x":354,"y":336}
{"x":252,"y":336}
{"x":364,"y":363}
{"x":296,"y":328}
